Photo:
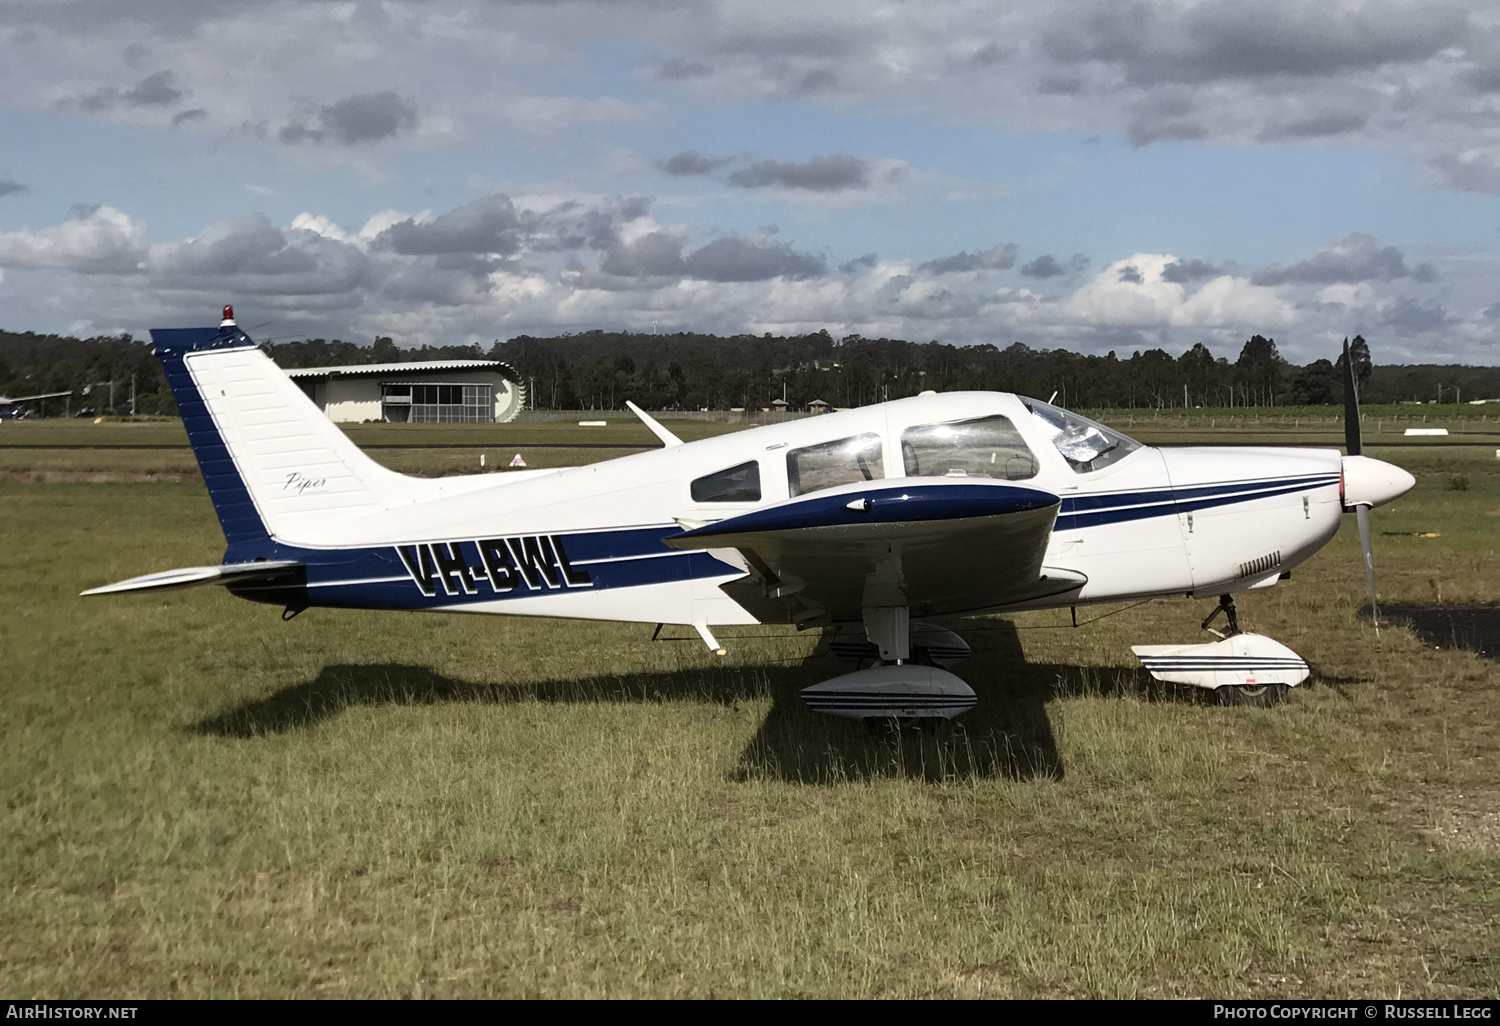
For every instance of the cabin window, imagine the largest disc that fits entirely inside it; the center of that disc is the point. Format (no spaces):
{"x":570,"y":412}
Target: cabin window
{"x":737,"y":484}
{"x":846,"y":461}
{"x":1085,"y":444}
{"x":987,"y":447}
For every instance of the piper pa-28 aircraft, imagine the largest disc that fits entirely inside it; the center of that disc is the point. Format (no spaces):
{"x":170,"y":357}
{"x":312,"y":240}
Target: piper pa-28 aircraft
{"x":939,"y":506}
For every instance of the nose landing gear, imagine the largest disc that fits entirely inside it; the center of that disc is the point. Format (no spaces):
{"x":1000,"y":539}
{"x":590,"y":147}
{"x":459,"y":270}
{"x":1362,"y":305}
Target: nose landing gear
{"x":1231,"y":618}
{"x":1240,"y":668}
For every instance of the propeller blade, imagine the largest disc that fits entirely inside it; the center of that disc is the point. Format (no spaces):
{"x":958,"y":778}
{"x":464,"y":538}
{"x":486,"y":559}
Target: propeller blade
{"x":1353,"y":443}
{"x":1363,"y":515}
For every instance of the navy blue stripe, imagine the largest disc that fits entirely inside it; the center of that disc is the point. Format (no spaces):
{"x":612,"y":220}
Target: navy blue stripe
{"x":821,"y":692}
{"x":1307,"y":481}
{"x":1221,"y":662}
{"x":893,"y":699}
{"x":378,"y":578}
{"x":887,"y":504}
{"x":237,"y":514}
{"x":621,"y":544}
{"x":1168,"y":656}
{"x":1208,"y":668}
{"x":1118,"y":516}
{"x":854,"y":700}
{"x":1112,"y":500}
{"x":1222,"y":666}
{"x":1192,"y":505}
{"x":1165,"y":502}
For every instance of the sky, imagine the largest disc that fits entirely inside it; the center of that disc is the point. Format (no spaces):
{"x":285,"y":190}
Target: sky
{"x":1090,"y":174}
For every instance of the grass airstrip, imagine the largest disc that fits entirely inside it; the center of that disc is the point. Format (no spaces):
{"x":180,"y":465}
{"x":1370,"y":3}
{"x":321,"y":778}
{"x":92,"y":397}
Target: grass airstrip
{"x":201,"y":800}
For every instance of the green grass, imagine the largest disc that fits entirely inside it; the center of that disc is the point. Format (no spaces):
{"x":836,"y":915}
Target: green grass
{"x":203,"y":800}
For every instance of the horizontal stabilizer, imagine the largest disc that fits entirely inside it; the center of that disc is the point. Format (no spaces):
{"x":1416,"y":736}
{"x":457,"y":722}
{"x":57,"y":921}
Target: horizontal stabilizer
{"x":1244,"y":659}
{"x":267,"y":571}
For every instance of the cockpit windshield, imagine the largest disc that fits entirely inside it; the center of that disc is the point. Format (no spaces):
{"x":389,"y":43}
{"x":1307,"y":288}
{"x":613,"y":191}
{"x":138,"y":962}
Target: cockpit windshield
{"x":1085,"y":444}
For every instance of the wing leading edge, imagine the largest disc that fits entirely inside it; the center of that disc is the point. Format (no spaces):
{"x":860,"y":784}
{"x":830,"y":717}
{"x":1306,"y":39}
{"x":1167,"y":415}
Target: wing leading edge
{"x":932,"y":545}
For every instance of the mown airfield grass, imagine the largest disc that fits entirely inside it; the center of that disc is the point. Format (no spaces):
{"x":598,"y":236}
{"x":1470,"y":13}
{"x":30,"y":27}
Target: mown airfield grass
{"x":203,"y":800}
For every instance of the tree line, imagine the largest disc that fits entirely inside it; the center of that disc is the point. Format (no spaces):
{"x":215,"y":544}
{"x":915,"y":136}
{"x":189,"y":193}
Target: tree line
{"x":600,"y":370}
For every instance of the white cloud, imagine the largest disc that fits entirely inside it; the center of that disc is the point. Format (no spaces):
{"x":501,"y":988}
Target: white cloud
{"x":383,"y":220}
{"x":1133,"y":293}
{"x":1419,"y":79}
{"x":1227,"y":302}
{"x":324,"y":226}
{"x":543,"y":114}
{"x":492,"y":267}
{"x":1361,"y":294}
{"x":92,"y":240}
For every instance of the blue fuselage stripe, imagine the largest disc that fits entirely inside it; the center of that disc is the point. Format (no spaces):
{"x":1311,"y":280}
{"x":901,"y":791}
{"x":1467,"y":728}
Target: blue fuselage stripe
{"x":448,"y":573}
{"x":424,"y":575}
{"x":1122,"y":507}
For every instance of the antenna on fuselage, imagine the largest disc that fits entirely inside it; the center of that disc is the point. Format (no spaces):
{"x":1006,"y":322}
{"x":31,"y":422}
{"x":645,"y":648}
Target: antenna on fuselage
{"x":667,"y":438}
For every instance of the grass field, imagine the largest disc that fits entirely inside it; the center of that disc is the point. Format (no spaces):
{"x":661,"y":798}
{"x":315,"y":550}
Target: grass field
{"x":203,"y":800}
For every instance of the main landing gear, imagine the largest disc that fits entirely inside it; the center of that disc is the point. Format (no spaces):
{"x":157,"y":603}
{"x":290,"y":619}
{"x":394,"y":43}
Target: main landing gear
{"x":1260,"y":695}
{"x":901,"y":675}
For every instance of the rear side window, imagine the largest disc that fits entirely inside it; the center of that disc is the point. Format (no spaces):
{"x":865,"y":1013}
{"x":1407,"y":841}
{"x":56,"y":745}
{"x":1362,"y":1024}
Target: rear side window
{"x":737,"y":484}
{"x":986,"y":447}
{"x":846,"y":461}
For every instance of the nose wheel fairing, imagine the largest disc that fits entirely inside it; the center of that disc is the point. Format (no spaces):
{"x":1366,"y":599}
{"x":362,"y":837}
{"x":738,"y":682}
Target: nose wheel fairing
{"x":1239,"y":661}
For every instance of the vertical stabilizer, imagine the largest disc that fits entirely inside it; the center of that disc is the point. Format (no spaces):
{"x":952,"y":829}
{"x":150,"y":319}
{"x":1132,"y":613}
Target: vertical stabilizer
{"x":275,"y":466}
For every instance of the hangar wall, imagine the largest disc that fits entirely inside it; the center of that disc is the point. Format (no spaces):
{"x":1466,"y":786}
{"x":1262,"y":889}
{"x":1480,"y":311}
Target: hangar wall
{"x":401,"y":392}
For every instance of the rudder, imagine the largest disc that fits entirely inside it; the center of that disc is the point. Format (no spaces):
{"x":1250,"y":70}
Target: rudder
{"x":274,"y":465}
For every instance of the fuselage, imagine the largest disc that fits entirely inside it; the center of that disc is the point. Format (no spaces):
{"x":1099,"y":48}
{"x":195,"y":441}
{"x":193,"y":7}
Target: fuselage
{"x":587,"y":541}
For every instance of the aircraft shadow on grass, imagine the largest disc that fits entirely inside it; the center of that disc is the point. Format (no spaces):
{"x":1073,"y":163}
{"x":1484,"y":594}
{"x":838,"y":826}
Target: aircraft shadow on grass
{"x":1007,"y":735}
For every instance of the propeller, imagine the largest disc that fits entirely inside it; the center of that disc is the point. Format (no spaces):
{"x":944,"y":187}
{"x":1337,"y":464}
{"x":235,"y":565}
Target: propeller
{"x":1354,"y":446}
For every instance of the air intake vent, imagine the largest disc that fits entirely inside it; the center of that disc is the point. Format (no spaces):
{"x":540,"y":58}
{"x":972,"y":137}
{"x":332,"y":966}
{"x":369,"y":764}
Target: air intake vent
{"x":1261,"y":565}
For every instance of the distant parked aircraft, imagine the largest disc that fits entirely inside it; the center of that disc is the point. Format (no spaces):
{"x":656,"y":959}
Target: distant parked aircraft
{"x":10,"y":406}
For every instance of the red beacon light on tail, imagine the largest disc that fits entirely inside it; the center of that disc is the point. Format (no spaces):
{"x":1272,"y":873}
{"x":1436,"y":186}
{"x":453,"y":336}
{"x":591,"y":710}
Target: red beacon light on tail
{"x":228,"y":320}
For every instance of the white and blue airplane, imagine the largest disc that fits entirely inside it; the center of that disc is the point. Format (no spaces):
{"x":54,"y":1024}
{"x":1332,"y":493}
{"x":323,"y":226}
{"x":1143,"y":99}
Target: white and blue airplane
{"x":940,"y":506}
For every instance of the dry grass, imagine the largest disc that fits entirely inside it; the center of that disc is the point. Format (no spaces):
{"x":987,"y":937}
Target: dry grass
{"x":202,"y":800}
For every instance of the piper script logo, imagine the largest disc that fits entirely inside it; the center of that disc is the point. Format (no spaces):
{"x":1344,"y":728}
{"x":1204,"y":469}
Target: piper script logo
{"x":299,"y":483}
{"x":537,"y":561}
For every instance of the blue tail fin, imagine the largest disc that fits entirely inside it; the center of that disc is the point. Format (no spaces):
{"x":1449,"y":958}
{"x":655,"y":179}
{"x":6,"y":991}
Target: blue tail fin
{"x":277,"y":469}
{"x":238,"y":516}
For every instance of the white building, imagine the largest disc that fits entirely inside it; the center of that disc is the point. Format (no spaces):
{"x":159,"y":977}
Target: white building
{"x":426,"y":392}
